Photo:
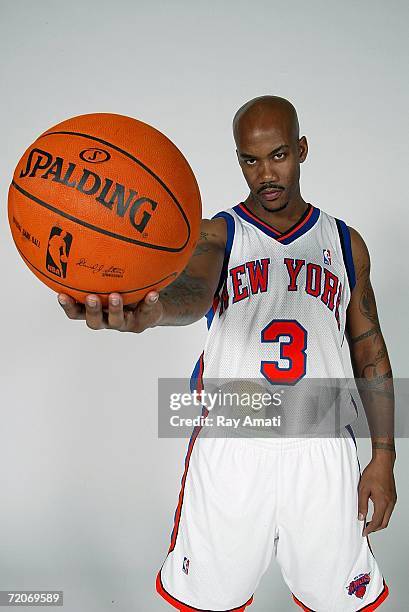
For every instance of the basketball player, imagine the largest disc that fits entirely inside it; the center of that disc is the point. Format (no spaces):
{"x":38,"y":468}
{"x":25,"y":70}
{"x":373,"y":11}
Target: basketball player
{"x":280,"y":282}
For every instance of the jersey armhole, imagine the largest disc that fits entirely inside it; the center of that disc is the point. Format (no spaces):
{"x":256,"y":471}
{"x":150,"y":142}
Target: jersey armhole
{"x":227,"y":249}
{"x":223,"y":274}
{"x":345,"y":240}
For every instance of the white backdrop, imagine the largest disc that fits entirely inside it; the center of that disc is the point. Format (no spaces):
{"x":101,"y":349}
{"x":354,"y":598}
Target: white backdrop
{"x":88,"y":490}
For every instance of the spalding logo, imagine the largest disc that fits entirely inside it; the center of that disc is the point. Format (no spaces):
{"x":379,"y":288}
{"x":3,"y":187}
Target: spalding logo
{"x":95,"y":156}
{"x":112,"y":195}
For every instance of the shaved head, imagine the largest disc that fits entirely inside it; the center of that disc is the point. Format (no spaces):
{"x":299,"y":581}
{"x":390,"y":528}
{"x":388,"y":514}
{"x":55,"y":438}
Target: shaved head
{"x":262,"y":113}
{"x":269,"y":150}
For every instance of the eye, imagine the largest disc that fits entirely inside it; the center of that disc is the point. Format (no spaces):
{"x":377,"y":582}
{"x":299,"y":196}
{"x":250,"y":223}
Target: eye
{"x":250,"y":162}
{"x":277,"y":155}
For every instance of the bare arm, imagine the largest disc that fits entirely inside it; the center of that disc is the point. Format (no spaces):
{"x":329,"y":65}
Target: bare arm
{"x":190,"y":296}
{"x":373,"y":373}
{"x":185,"y":301}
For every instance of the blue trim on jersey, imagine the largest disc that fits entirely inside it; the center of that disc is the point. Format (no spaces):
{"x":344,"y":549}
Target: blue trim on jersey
{"x":227,"y":250}
{"x":210,"y":313}
{"x":351,"y":432}
{"x":270,"y":231}
{"x":306,"y":222}
{"x":354,"y":404}
{"x":345,"y":239}
{"x":209,"y":316}
{"x":229,"y":243}
{"x":304,"y":228}
{"x":194,"y":376}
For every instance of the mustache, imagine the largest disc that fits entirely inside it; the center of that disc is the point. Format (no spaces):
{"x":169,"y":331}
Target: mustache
{"x":275,"y":187}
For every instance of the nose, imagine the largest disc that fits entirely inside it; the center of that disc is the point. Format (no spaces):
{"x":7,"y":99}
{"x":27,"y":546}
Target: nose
{"x":268,"y":172}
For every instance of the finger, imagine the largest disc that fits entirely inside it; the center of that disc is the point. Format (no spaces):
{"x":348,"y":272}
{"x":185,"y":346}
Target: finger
{"x":387,"y":515}
{"x":146,"y":313}
{"x":377,"y":518}
{"x":73,"y":309}
{"x":150,"y":299}
{"x":363,"y":499}
{"x":115,"y":311}
{"x":93,"y":312}
{"x":139,"y":318}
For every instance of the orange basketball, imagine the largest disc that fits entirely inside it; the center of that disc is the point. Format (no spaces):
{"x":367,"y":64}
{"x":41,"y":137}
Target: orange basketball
{"x":102,"y":203}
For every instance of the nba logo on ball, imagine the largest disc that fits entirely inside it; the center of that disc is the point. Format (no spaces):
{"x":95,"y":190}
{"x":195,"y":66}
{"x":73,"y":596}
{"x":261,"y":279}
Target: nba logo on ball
{"x":186,"y":565}
{"x":58,"y":250}
{"x":327,"y":256}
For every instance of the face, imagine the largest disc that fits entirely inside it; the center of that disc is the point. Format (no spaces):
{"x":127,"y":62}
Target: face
{"x":270,"y":158}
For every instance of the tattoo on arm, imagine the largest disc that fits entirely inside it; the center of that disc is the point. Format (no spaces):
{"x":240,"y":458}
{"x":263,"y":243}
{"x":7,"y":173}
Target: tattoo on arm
{"x":377,"y":384}
{"x":367,"y":334}
{"x":182,"y":294}
{"x":372,"y":367}
{"x":187,"y":293}
{"x":204,"y":246}
{"x":370,"y":371}
{"x":389,"y":446}
{"x":367,"y":304}
{"x":377,"y":348}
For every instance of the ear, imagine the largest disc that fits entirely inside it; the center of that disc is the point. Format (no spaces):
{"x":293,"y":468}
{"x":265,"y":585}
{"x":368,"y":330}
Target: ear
{"x":302,"y":149}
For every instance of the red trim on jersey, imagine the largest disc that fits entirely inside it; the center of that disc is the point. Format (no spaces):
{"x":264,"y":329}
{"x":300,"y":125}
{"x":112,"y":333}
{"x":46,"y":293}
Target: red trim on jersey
{"x":369,"y":608}
{"x":215,"y":303}
{"x":200,"y":374}
{"x":184,"y":607}
{"x":253,"y":216}
{"x":380,"y":599}
{"x":280,"y":235}
{"x":300,"y":603}
{"x":297,"y":227}
{"x":195,"y":433}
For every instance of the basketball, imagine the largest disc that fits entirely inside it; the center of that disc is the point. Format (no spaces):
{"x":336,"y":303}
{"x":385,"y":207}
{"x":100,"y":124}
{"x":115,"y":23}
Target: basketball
{"x":104,"y":203}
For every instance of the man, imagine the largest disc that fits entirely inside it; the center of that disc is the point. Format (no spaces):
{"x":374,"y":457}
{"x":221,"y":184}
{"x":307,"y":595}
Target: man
{"x":280,"y":283}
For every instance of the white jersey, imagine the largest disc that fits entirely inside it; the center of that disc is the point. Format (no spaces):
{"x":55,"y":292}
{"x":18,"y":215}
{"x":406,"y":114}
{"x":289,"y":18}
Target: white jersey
{"x":279,"y":310}
{"x":278,"y":316}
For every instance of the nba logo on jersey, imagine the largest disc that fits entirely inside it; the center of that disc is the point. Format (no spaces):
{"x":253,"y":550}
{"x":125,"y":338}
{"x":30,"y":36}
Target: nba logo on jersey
{"x":186,"y":565}
{"x":327,"y":256}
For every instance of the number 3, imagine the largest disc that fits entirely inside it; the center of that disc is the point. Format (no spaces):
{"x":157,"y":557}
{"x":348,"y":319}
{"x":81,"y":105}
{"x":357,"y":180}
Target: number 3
{"x":293,"y":351}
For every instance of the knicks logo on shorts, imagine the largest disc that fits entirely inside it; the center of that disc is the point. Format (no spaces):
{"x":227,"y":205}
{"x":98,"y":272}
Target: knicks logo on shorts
{"x":58,"y":250}
{"x":358,"y":585}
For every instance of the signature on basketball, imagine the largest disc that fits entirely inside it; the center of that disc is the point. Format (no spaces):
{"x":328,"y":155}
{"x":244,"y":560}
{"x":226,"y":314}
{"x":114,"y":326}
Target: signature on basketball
{"x":97,"y":268}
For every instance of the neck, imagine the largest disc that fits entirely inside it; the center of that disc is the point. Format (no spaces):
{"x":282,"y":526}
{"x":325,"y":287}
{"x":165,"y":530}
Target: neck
{"x":281,"y":216}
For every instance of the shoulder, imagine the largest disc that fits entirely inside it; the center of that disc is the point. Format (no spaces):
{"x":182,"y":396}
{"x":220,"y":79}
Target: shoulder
{"x":360,"y":251}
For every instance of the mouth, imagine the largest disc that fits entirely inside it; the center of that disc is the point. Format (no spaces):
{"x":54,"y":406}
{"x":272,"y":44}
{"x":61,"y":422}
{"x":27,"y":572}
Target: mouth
{"x":271,"y":194}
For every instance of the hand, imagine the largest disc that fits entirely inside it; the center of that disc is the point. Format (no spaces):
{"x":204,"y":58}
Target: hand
{"x":378,"y":483}
{"x":134,"y":318}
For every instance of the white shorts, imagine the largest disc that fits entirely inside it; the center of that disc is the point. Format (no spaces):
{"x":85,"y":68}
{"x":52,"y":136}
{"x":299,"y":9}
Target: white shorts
{"x":243,"y":500}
